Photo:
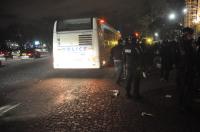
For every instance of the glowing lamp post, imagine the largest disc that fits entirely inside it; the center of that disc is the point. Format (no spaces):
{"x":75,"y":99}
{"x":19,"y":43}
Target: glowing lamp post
{"x":185,"y":11}
{"x":172,"y":16}
{"x":156,"y":34}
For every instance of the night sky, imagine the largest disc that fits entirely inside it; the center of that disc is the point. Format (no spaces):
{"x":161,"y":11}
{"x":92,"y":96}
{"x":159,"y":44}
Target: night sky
{"x":120,"y":13}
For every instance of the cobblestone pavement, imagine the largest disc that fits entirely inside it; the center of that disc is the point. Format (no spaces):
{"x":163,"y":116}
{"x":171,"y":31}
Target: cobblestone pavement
{"x":83,"y":101}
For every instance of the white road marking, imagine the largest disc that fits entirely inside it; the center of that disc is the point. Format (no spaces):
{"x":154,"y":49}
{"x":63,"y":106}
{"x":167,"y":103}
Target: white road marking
{"x":4,"y":107}
{"x":19,"y":117}
{"x":7,"y":108}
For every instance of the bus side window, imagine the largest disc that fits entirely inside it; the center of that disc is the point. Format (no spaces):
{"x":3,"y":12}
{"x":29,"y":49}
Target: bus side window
{"x":101,"y":39}
{"x":109,"y":38}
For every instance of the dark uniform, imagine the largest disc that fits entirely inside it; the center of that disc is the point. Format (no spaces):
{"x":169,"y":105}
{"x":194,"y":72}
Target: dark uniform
{"x":185,"y":68}
{"x":116,"y":56}
{"x":132,"y":56}
{"x":197,"y":68}
{"x":197,"y":62}
{"x":166,"y":60}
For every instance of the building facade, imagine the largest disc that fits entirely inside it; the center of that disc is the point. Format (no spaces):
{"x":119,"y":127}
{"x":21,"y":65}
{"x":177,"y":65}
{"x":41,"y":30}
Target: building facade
{"x":191,"y":17}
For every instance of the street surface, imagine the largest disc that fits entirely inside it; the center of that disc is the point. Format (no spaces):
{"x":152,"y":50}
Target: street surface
{"x":36,"y":98}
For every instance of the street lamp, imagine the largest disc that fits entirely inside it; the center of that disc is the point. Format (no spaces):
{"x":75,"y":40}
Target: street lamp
{"x":185,"y":11}
{"x":172,"y":16}
{"x":156,"y":34}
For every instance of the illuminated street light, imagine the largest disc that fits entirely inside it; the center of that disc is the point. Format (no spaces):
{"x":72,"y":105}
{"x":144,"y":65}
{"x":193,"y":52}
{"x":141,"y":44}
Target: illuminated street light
{"x":185,"y":10}
{"x":156,"y":34}
{"x":172,"y":16}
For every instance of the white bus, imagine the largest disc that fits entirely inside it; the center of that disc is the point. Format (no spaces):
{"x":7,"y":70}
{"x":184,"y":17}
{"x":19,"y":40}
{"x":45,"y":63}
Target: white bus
{"x":82,"y":43}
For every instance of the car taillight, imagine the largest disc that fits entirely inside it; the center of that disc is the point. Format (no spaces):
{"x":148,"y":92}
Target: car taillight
{"x":1,"y":53}
{"x":29,"y":54}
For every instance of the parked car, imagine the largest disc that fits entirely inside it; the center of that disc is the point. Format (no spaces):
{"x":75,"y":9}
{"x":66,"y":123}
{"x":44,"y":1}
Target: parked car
{"x":5,"y":54}
{"x":31,"y":53}
{"x":16,"y":53}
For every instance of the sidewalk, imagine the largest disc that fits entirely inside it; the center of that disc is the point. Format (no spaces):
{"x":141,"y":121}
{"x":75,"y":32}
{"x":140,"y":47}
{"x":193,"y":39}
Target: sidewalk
{"x":154,"y":84}
{"x":158,"y":110}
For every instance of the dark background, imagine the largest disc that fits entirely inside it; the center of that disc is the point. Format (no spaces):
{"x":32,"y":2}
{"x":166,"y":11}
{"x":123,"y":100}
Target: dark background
{"x":34,"y":18}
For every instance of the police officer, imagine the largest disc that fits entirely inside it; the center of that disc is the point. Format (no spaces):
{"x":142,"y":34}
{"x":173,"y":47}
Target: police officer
{"x":116,"y":56}
{"x":198,"y":57}
{"x":185,"y":68}
{"x":166,"y":59}
{"x":132,"y":56}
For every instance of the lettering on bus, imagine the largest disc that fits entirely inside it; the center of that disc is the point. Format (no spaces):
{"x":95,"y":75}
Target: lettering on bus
{"x":75,"y":49}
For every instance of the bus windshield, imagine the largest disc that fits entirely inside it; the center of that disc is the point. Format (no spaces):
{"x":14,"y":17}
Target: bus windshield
{"x":74,"y":24}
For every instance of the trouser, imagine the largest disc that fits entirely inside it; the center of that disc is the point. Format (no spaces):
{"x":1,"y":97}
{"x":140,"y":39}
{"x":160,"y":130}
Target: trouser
{"x":133,"y":76}
{"x":165,"y":74}
{"x":118,"y":69}
{"x":165,"y":70}
{"x":185,"y":87}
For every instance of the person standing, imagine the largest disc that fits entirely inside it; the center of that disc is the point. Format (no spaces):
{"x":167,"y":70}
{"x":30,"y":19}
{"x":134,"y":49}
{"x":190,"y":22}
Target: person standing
{"x":133,"y":60}
{"x":116,"y":57}
{"x":198,"y":57}
{"x":166,"y":60}
{"x":185,"y":68}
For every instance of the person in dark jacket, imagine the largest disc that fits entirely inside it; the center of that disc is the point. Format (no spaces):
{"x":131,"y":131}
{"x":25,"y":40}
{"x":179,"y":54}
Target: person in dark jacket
{"x":197,"y":62}
{"x":197,"y":65}
{"x":116,"y":56}
{"x":133,"y":59}
{"x":166,"y":60}
{"x":185,"y":68}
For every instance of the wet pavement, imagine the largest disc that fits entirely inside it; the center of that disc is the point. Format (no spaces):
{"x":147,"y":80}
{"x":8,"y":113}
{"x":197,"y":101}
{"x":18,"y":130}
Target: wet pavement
{"x":84,"y":101}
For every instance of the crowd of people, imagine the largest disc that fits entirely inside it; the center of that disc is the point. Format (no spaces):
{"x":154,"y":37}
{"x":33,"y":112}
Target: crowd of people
{"x":183,"y":56}
{"x":133,"y":60}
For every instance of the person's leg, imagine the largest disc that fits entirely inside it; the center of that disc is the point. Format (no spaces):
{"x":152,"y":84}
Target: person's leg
{"x":115,"y":65}
{"x":120,"y":71}
{"x":189,"y":92}
{"x":162,"y":70}
{"x":137,"y":79}
{"x":116,"y":69}
{"x":128,"y":83}
{"x":166,"y":76}
{"x":180,"y":81}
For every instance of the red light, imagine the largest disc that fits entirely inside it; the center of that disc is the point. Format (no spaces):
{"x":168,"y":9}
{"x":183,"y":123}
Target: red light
{"x":136,"y":34}
{"x":102,"y":21}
